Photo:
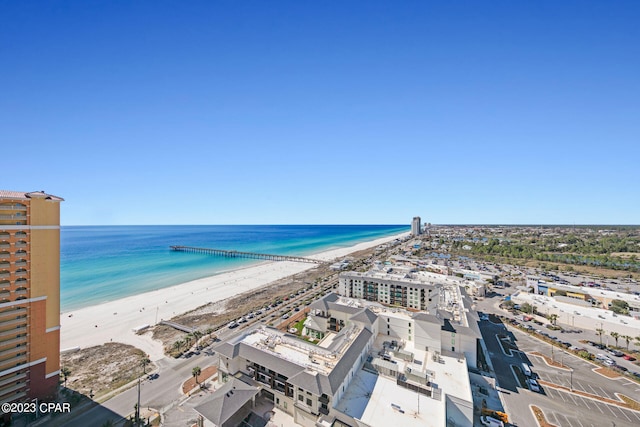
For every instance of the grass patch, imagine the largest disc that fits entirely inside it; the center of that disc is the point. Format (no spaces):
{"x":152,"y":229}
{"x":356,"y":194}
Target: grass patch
{"x":542,"y":421}
{"x":632,"y":404}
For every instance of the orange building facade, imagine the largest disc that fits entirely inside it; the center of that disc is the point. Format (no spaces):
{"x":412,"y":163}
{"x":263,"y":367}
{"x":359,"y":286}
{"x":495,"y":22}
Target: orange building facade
{"x":29,"y":295}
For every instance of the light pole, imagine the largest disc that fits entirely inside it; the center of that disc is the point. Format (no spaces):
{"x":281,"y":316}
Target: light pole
{"x":571,"y":378}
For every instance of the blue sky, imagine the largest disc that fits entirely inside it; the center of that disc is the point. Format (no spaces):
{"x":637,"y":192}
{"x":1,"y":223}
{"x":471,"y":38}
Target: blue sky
{"x":254,"y":112}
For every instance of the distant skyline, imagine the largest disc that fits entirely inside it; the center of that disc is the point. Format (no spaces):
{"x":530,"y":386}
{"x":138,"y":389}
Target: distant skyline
{"x":357,"y":112}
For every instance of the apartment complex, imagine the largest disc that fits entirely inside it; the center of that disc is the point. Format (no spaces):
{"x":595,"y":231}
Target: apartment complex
{"x":29,"y":295}
{"x":371,"y":366}
{"x":400,"y":290}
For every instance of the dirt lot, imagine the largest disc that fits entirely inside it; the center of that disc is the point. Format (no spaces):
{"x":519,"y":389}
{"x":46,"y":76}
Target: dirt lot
{"x":103,"y":368}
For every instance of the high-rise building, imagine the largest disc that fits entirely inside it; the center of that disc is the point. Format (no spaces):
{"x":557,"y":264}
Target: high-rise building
{"x":415,"y":226}
{"x":29,"y":295}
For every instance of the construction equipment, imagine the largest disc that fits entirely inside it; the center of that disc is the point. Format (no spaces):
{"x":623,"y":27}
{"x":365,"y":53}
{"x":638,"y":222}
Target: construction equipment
{"x":499,"y":415}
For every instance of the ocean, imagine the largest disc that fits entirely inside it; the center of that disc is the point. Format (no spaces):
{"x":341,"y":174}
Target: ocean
{"x":104,"y":263}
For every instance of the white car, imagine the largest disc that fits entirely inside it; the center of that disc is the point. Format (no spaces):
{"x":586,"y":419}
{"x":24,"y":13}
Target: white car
{"x":490,"y":421}
{"x":533,"y":385}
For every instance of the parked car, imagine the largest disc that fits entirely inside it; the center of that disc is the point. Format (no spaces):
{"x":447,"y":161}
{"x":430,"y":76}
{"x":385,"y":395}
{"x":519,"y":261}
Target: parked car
{"x":533,"y":385}
{"x":629,"y":357}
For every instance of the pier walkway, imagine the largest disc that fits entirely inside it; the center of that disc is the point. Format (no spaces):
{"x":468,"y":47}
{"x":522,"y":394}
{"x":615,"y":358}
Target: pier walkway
{"x":238,"y":254}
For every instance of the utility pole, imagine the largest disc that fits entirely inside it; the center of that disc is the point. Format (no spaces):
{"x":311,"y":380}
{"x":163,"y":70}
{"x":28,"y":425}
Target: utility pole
{"x":138,"y":406}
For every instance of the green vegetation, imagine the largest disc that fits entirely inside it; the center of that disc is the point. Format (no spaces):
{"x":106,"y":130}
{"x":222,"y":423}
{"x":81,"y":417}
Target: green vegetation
{"x":616,"y":248}
{"x":619,"y":306}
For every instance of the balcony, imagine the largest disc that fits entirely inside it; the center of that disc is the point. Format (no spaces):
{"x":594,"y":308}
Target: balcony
{"x":16,"y":217}
{"x":18,"y":397}
{"x":19,"y":263}
{"x":5,"y":255}
{"x":21,"y":321}
{"x":16,"y":207}
{"x":323,"y":399}
{"x":21,"y":235}
{"x":12,"y":350}
{"x":4,"y":274}
{"x":21,"y":273}
{"x":11,"y":332}
{"x":21,"y":244}
{"x":4,"y":235}
{"x":22,"y":291}
{"x":324,"y":411}
{"x":4,"y":265}
{"x":5,"y":245}
{"x":12,"y":362}
{"x":12,"y":341}
{"x":13,"y":312}
{"x":13,"y":378}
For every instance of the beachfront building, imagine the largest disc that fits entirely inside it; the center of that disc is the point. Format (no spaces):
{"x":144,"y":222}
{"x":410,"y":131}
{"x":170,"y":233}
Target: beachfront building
{"x":415,"y":226}
{"x":402,"y":290}
{"x":29,"y":295}
{"x":372,"y":366}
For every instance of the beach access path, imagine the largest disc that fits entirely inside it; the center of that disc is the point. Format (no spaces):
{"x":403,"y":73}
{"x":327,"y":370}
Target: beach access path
{"x":116,"y":320}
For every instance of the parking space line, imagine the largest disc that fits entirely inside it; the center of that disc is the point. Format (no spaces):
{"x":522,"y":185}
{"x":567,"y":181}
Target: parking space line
{"x":579,"y":422}
{"x":593,"y":389}
{"x":598,"y":406}
{"x":579,"y":386}
{"x":635,"y":414}
{"x":624,"y":413}
{"x":553,"y":414}
{"x":610,"y":410}
{"x":575,"y":402}
{"x":605,"y":394}
{"x":585,"y":402}
{"x":566,"y":418}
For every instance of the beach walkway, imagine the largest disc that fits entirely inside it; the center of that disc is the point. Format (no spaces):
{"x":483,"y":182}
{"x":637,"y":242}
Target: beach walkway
{"x":238,"y":254}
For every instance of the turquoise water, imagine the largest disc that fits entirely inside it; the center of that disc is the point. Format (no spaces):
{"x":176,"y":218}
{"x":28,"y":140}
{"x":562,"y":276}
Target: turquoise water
{"x":105,"y":263}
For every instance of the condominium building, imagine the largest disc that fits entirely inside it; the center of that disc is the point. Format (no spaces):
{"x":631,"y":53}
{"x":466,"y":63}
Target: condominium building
{"x":29,"y":295}
{"x":415,"y":226}
{"x":390,"y":289}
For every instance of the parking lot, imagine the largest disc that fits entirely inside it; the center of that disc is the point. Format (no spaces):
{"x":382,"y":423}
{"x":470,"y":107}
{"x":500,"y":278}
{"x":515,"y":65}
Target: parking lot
{"x":561,"y":407}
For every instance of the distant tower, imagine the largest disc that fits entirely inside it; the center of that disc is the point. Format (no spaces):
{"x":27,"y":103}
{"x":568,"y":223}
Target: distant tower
{"x":415,"y":226}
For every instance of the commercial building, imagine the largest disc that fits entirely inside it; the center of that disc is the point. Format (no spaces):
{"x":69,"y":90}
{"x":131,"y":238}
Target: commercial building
{"x":29,"y":295}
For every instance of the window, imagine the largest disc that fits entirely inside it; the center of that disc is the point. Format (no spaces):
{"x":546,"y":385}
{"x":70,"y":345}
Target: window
{"x":300,"y":397}
{"x":309,"y":402}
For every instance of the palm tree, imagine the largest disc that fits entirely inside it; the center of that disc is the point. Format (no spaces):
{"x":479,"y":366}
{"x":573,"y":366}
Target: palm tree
{"x":638,"y":341}
{"x":628,"y":339}
{"x":144,"y":362}
{"x":196,"y":373}
{"x":553,"y":318}
{"x":65,"y":373}
{"x":600,"y":331}
{"x":615,"y":336}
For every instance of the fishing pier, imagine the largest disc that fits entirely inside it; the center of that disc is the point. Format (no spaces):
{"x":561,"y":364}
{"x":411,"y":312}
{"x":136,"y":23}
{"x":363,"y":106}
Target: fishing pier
{"x":238,"y":254}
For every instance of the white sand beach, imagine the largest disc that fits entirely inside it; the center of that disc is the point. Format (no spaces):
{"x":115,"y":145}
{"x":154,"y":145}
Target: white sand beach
{"x":115,"y":320}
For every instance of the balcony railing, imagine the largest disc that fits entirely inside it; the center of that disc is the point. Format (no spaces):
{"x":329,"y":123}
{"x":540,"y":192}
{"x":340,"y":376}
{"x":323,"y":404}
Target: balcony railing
{"x":5,"y":245}
{"x":13,"y":208}
{"x":16,"y":217}
{"x":21,"y":244}
{"x":5,"y":255}
{"x":12,"y":341}
{"x":5,"y":275}
{"x":21,"y":273}
{"x":21,"y":263}
{"x":13,"y":379}
{"x":12,"y":351}
{"x":15,"y":331}
{"x":12,"y":362}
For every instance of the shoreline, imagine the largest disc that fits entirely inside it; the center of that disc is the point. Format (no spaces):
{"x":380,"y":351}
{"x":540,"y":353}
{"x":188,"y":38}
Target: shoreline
{"x":115,"y":320}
